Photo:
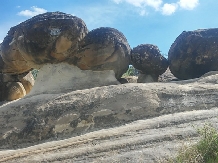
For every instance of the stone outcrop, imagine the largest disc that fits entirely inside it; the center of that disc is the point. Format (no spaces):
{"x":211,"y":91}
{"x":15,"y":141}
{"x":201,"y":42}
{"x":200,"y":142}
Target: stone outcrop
{"x":54,"y":38}
{"x":149,"y":61}
{"x":50,"y":116}
{"x":147,"y":140}
{"x":167,"y":76}
{"x":194,"y":53}
{"x":13,"y":87}
{"x":62,"y":78}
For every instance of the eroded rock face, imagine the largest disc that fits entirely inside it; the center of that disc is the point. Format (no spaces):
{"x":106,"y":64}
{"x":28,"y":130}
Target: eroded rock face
{"x":54,"y":38}
{"x":38,"y":118}
{"x":194,"y":53}
{"x":62,"y":78}
{"x":13,"y":87}
{"x":46,"y":38}
{"x":150,"y":63}
{"x":104,"y":49}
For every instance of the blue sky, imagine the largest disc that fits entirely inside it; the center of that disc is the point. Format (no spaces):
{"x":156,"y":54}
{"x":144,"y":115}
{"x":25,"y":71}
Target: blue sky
{"x":156,"y":22}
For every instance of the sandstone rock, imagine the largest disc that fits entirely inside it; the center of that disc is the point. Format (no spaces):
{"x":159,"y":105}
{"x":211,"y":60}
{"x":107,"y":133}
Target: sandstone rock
{"x":147,"y":140}
{"x":150,"y":63}
{"x":11,"y":60}
{"x":104,"y":49}
{"x":27,"y":81}
{"x":40,"y":117}
{"x":13,"y":87}
{"x":194,"y":53}
{"x":131,"y":79}
{"x":63,"y":77}
{"x":167,"y":76}
{"x":46,"y":38}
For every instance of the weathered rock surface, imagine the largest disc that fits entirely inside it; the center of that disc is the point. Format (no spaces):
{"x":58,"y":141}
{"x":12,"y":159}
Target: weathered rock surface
{"x":62,"y":77}
{"x":167,"y":76}
{"x":46,"y":38}
{"x":13,"y":87}
{"x":194,"y":53}
{"x":104,"y":49}
{"x":52,"y":116}
{"x":56,"y":37}
{"x":148,"y":141}
{"x":149,"y":61}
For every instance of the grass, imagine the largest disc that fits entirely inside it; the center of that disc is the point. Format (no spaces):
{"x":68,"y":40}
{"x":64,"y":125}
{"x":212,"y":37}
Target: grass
{"x":204,"y":151}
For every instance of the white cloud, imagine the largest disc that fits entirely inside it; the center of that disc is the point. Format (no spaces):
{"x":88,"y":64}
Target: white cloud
{"x":169,"y":9}
{"x":117,"y":1}
{"x":142,"y":3}
{"x":188,"y":4}
{"x":1,"y":41}
{"x":33,"y":12}
{"x":160,"y":5}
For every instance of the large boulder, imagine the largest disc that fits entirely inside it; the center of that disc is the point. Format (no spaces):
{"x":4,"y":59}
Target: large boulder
{"x":46,"y":38}
{"x":149,"y":61}
{"x":104,"y":49}
{"x":194,"y":53}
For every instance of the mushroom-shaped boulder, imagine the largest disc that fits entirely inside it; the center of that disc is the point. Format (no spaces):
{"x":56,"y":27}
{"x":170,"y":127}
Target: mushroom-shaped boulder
{"x":149,"y":61}
{"x":51,"y":37}
{"x":194,"y":53}
{"x":104,"y":49}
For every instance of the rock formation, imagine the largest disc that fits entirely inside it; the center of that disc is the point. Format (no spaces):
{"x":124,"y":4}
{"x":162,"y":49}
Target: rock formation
{"x":194,"y":53}
{"x":167,"y":76}
{"x":54,"y":38}
{"x":13,"y":87}
{"x":150,"y":63}
{"x":46,"y":38}
{"x":104,"y":49}
{"x":37,"y":118}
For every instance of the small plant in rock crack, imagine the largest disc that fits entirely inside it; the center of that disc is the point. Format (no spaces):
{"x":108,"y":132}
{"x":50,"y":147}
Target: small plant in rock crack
{"x":204,"y":151}
{"x":34,"y":73}
{"x":131,"y":72}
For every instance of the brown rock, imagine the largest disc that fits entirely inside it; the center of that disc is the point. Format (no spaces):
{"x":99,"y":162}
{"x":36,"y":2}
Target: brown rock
{"x":11,"y":60}
{"x":46,"y":38}
{"x":194,"y":53}
{"x":27,"y":81}
{"x":150,"y":63}
{"x":14,"y":90}
{"x":13,"y":87}
{"x":104,"y":49}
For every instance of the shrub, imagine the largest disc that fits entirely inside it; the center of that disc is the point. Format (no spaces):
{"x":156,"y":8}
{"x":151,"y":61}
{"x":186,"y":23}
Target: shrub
{"x":204,"y":151}
{"x":131,"y":72}
{"x":35,"y":72}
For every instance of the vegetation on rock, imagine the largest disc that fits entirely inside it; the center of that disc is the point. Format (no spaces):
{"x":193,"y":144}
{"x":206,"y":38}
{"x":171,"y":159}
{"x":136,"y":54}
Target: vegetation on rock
{"x":35,"y":72}
{"x":204,"y":151}
{"x":131,"y":72}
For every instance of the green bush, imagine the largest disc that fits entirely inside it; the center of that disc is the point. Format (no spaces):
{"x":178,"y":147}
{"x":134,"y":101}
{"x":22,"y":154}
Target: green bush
{"x":35,"y":72}
{"x":131,"y":72}
{"x":204,"y":151}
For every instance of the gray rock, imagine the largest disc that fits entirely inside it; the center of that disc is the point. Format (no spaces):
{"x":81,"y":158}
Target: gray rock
{"x":149,"y":61}
{"x":104,"y":49}
{"x":194,"y":53}
{"x":53,"y":116}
